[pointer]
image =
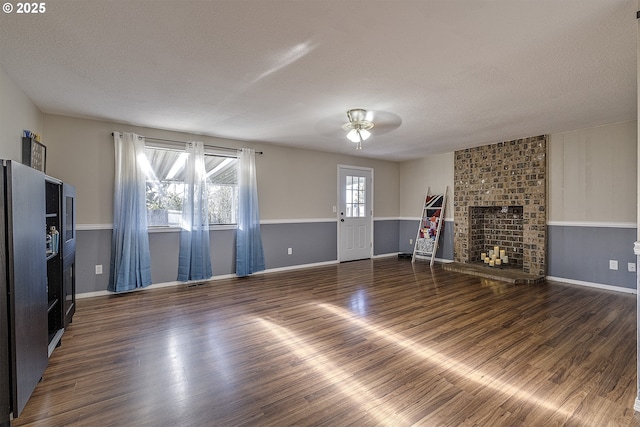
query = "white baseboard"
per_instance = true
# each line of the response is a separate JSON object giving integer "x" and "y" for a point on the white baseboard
{"x": 153, "y": 286}
{"x": 295, "y": 267}
{"x": 387, "y": 255}
{"x": 195, "y": 282}
{"x": 318, "y": 264}
{"x": 93, "y": 294}
{"x": 592, "y": 285}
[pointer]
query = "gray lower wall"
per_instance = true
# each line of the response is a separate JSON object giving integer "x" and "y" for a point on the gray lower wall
{"x": 583, "y": 254}
{"x": 385, "y": 236}
{"x": 574, "y": 253}
{"x": 94, "y": 248}
{"x": 310, "y": 243}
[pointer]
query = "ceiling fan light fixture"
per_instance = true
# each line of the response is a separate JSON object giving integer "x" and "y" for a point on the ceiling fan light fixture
{"x": 354, "y": 135}
{"x": 364, "y": 134}
{"x": 358, "y": 127}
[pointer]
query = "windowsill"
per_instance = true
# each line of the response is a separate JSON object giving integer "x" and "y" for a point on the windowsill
{"x": 175, "y": 229}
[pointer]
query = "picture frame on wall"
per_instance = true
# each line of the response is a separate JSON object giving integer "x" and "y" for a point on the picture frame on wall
{"x": 34, "y": 154}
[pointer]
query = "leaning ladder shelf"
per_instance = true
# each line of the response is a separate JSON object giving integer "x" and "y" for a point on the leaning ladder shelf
{"x": 431, "y": 219}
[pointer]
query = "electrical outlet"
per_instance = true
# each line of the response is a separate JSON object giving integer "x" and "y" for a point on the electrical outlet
{"x": 613, "y": 264}
{"x": 411, "y": 241}
{"x": 631, "y": 267}
{"x": 99, "y": 269}
{"x": 289, "y": 251}
{"x": 335, "y": 209}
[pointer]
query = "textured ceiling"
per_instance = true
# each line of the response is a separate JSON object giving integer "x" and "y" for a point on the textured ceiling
{"x": 438, "y": 75}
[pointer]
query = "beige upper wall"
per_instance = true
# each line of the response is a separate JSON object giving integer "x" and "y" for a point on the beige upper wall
{"x": 435, "y": 172}
{"x": 593, "y": 174}
{"x": 17, "y": 113}
{"x": 303, "y": 184}
{"x": 293, "y": 183}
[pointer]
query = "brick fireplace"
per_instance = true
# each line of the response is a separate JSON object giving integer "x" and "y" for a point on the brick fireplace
{"x": 500, "y": 199}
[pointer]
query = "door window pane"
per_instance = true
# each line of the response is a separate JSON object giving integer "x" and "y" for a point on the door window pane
{"x": 355, "y": 197}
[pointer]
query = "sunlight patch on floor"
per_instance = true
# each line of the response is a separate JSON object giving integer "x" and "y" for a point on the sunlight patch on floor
{"x": 351, "y": 388}
{"x": 442, "y": 360}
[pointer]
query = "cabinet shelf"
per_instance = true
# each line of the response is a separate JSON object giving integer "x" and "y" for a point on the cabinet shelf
{"x": 52, "y": 304}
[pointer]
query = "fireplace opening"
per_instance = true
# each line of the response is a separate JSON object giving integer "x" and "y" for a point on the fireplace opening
{"x": 491, "y": 226}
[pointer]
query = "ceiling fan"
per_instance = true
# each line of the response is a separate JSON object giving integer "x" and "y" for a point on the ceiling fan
{"x": 361, "y": 123}
{"x": 358, "y": 126}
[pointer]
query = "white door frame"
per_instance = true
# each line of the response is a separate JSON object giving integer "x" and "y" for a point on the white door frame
{"x": 370, "y": 201}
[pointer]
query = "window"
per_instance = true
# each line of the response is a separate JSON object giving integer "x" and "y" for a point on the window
{"x": 355, "y": 196}
{"x": 165, "y": 187}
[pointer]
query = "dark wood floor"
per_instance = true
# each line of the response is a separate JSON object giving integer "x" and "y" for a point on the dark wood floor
{"x": 365, "y": 343}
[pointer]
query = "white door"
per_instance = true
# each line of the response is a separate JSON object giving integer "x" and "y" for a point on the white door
{"x": 355, "y": 215}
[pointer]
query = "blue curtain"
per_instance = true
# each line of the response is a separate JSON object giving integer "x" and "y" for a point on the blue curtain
{"x": 194, "y": 261}
{"x": 130, "y": 259}
{"x": 249, "y": 251}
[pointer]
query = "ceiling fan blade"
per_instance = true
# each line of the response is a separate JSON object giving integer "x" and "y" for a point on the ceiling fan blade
{"x": 384, "y": 122}
{"x": 332, "y": 126}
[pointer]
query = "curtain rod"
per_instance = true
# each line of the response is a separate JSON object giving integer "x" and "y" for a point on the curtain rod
{"x": 183, "y": 142}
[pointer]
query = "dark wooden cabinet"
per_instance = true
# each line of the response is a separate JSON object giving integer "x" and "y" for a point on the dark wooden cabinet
{"x": 25, "y": 278}
{"x": 37, "y": 278}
